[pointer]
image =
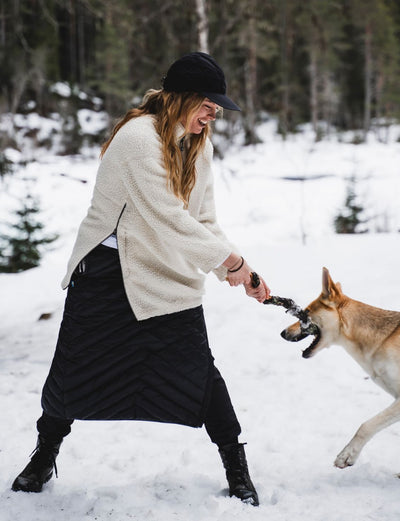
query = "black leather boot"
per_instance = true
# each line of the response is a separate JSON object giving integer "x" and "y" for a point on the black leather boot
{"x": 240, "y": 485}
{"x": 40, "y": 469}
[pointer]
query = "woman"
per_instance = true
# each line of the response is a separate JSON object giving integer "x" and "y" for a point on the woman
{"x": 133, "y": 342}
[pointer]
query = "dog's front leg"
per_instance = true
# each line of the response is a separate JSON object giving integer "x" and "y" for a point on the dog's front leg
{"x": 350, "y": 453}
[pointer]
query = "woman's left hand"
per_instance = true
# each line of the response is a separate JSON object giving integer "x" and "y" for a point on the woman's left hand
{"x": 260, "y": 293}
{"x": 240, "y": 275}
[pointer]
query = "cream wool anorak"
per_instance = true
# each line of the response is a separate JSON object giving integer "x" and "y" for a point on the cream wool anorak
{"x": 163, "y": 248}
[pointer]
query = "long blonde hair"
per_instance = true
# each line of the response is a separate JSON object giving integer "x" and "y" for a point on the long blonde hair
{"x": 169, "y": 109}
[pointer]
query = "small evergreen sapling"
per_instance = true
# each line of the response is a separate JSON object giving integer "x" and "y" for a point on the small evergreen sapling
{"x": 350, "y": 218}
{"x": 22, "y": 250}
{"x": 6, "y": 166}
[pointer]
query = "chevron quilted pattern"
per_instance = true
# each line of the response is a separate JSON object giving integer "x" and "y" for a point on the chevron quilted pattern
{"x": 109, "y": 366}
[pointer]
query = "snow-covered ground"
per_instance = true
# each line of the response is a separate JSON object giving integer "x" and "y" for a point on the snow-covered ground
{"x": 296, "y": 414}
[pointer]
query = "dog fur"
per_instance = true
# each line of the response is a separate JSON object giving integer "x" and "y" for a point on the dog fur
{"x": 371, "y": 336}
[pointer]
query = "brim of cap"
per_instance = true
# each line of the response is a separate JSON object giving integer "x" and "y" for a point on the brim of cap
{"x": 221, "y": 100}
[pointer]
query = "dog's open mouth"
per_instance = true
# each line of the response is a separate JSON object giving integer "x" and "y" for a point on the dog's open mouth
{"x": 315, "y": 331}
{"x": 305, "y": 331}
{"x": 307, "y": 327}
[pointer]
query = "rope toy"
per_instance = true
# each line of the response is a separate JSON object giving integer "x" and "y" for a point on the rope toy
{"x": 291, "y": 307}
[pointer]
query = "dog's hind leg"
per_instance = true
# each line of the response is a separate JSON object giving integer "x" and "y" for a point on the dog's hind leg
{"x": 367, "y": 430}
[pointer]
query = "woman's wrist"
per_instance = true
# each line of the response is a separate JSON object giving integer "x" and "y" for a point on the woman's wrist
{"x": 237, "y": 266}
{"x": 232, "y": 262}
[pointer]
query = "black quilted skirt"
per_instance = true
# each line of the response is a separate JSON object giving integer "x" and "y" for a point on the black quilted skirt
{"x": 109, "y": 366}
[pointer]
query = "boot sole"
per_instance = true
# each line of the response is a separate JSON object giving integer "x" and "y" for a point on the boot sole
{"x": 29, "y": 486}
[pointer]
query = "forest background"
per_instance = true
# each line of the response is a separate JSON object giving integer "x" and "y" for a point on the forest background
{"x": 335, "y": 64}
{"x": 70, "y": 68}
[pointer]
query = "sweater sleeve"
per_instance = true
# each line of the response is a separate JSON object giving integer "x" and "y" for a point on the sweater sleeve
{"x": 208, "y": 217}
{"x": 144, "y": 178}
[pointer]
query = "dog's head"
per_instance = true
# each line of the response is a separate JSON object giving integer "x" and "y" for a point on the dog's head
{"x": 324, "y": 316}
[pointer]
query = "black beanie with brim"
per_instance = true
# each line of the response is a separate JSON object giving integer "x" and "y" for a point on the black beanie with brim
{"x": 199, "y": 72}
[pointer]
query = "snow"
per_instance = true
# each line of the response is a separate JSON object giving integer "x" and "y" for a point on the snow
{"x": 92, "y": 122}
{"x": 296, "y": 414}
{"x": 65, "y": 90}
{"x": 62, "y": 89}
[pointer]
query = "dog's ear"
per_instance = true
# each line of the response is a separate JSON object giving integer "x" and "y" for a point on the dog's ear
{"x": 329, "y": 288}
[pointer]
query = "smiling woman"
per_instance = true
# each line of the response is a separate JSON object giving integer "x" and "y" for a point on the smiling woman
{"x": 133, "y": 340}
{"x": 206, "y": 113}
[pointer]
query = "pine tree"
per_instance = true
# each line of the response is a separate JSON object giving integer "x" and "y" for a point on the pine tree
{"x": 350, "y": 219}
{"x": 320, "y": 25}
{"x": 6, "y": 166}
{"x": 22, "y": 249}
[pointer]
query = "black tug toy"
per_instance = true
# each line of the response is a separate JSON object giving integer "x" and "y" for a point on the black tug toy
{"x": 307, "y": 327}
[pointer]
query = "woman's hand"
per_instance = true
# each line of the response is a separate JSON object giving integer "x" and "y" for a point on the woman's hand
{"x": 260, "y": 293}
{"x": 239, "y": 273}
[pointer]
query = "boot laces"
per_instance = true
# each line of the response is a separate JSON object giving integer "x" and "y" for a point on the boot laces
{"x": 42, "y": 454}
{"x": 236, "y": 466}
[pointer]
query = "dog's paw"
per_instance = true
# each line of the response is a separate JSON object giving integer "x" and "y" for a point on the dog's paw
{"x": 346, "y": 458}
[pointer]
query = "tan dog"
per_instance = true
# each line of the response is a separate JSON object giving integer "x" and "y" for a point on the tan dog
{"x": 371, "y": 336}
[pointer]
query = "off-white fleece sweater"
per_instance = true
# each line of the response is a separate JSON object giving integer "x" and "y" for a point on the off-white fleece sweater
{"x": 162, "y": 246}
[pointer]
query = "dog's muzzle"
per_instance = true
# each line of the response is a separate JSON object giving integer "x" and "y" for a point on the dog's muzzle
{"x": 305, "y": 331}
{"x": 307, "y": 327}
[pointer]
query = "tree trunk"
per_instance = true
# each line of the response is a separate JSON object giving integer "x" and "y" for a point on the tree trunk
{"x": 380, "y": 81}
{"x": 284, "y": 110}
{"x": 314, "y": 90}
{"x": 81, "y": 46}
{"x": 329, "y": 102}
{"x": 202, "y": 25}
{"x": 2, "y": 26}
{"x": 367, "y": 78}
{"x": 250, "y": 80}
{"x": 72, "y": 40}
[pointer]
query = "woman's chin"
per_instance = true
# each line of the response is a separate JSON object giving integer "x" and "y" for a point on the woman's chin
{"x": 197, "y": 129}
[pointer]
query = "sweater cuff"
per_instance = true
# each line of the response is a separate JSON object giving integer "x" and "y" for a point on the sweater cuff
{"x": 221, "y": 263}
{"x": 221, "y": 272}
